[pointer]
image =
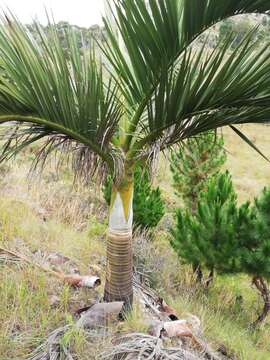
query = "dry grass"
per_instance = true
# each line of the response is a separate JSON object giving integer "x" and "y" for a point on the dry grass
{"x": 41, "y": 218}
{"x": 54, "y": 216}
{"x": 249, "y": 170}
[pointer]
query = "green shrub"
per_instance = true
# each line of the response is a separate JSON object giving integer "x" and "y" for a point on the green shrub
{"x": 148, "y": 206}
{"x": 228, "y": 239}
{"x": 255, "y": 240}
{"x": 191, "y": 166}
{"x": 207, "y": 236}
{"x": 254, "y": 248}
{"x": 193, "y": 163}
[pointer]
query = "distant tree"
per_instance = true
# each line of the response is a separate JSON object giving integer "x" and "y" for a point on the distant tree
{"x": 238, "y": 28}
{"x": 82, "y": 35}
{"x": 97, "y": 32}
{"x": 148, "y": 205}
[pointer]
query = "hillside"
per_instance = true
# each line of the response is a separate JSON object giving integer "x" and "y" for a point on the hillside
{"x": 250, "y": 171}
{"x": 54, "y": 215}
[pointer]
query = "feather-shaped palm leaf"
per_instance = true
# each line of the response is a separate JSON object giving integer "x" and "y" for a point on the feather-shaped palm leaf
{"x": 56, "y": 94}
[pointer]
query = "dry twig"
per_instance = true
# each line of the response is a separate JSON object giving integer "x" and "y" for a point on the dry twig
{"x": 72, "y": 279}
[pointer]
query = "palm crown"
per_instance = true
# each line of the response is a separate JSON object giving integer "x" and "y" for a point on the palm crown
{"x": 160, "y": 90}
{"x": 155, "y": 90}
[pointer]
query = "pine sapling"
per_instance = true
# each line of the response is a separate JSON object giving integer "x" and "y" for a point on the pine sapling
{"x": 191, "y": 166}
{"x": 254, "y": 249}
{"x": 207, "y": 235}
{"x": 226, "y": 238}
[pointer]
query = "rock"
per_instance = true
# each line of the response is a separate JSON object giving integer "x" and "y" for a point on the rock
{"x": 99, "y": 314}
{"x": 57, "y": 259}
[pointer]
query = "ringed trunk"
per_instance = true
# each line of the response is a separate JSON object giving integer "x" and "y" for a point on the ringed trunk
{"x": 119, "y": 271}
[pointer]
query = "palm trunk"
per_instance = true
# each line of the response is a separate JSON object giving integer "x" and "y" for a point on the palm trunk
{"x": 119, "y": 270}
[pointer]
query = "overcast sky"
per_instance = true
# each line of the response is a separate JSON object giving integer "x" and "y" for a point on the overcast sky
{"x": 78, "y": 12}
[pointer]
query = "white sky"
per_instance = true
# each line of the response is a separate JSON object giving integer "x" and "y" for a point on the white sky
{"x": 77, "y": 12}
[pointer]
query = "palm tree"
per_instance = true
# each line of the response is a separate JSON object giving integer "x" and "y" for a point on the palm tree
{"x": 153, "y": 90}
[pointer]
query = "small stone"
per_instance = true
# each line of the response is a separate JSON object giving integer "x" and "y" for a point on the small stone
{"x": 57, "y": 259}
{"x": 54, "y": 300}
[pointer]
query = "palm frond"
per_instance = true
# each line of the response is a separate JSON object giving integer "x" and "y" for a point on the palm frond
{"x": 156, "y": 34}
{"x": 54, "y": 92}
{"x": 206, "y": 90}
{"x": 248, "y": 141}
{"x": 150, "y": 33}
{"x": 170, "y": 90}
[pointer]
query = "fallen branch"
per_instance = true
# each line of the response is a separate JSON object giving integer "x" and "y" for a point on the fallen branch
{"x": 71, "y": 279}
{"x": 52, "y": 348}
{"x": 150, "y": 299}
{"x": 146, "y": 347}
{"x": 132, "y": 346}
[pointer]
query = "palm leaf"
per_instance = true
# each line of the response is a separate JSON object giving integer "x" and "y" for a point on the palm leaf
{"x": 171, "y": 92}
{"x": 248, "y": 141}
{"x": 151, "y": 38}
{"x": 204, "y": 91}
{"x": 156, "y": 34}
{"x": 61, "y": 92}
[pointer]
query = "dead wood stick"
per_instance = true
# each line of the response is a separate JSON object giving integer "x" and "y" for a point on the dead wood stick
{"x": 71, "y": 279}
